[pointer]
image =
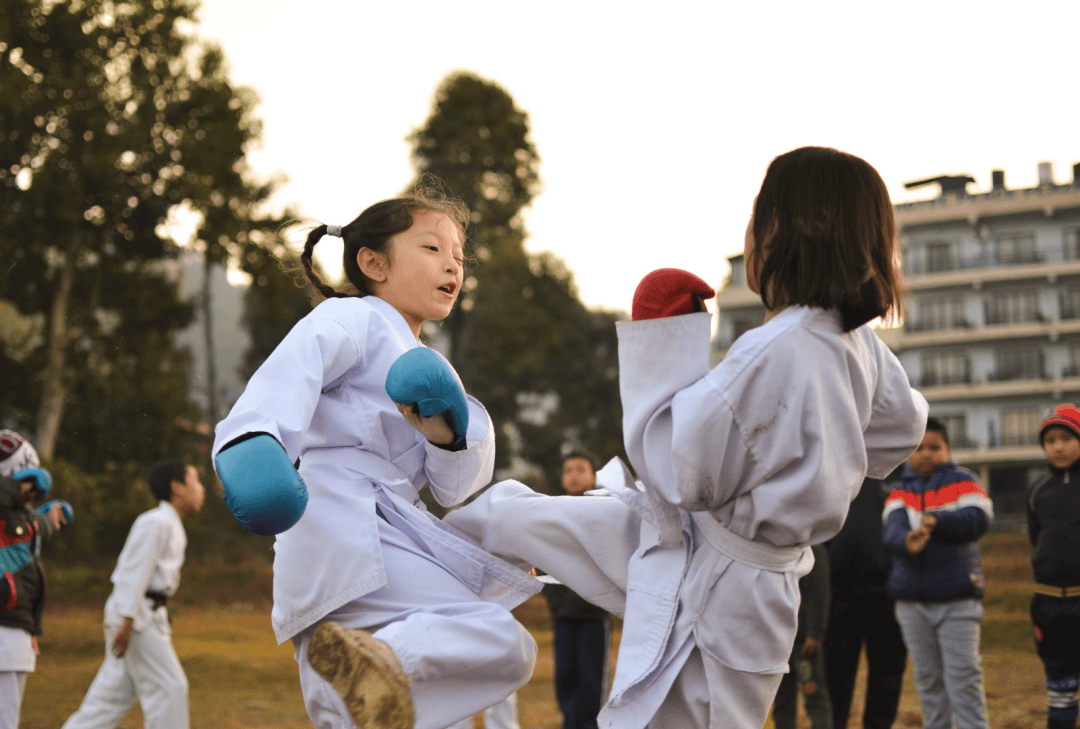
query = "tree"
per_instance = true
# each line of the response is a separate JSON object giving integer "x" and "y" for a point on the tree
{"x": 542, "y": 363}
{"x": 111, "y": 120}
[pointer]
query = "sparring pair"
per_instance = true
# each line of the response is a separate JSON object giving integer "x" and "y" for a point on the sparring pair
{"x": 741, "y": 467}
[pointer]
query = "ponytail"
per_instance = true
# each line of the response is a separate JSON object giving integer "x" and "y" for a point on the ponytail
{"x": 314, "y": 280}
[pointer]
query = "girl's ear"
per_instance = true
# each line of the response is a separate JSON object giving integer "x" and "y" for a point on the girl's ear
{"x": 374, "y": 265}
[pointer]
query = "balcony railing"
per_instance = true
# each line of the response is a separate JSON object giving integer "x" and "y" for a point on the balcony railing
{"x": 930, "y": 325}
{"x": 932, "y": 379}
{"x": 941, "y": 264}
{"x": 1011, "y": 375}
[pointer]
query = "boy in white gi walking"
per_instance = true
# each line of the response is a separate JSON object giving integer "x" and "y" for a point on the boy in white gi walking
{"x": 140, "y": 663}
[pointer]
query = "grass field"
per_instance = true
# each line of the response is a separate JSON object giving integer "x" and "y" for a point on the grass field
{"x": 239, "y": 678}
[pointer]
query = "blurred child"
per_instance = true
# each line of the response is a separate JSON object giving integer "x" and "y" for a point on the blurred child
{"x": 806, "y": 668}
{"x": 1053, "y": 512}
{"x": 933, "y": 520}
{"x": 22, "y": 584}
{"x": 140, "y": 662}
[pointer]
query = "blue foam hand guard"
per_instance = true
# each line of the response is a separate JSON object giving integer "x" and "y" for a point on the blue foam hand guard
{"x": 422, "y": 377}
{"x": 39, "y": 476}
{"x": 262, "y": 488}
{"x": 69, "y": 515}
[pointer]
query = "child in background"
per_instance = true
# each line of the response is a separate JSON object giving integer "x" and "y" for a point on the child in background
{"x": 932, "y": 522}
{"x": 744, "y": 466}
{"x": 140, "y": 662}
{"x": 1053, "y": 513}
{"x": 397, "y": 621}
{"x": 806, "y": 668}
{"x": 22, "y": 583}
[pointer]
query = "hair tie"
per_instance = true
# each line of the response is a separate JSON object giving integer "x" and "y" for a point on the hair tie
{"x": 334, "y": 230}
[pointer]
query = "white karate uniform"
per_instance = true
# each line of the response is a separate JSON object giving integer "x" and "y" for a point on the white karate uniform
{"x": 742, "y": 467}
{"x": 149, "y": 670}
{"x": 17, "y": 659}
{"x": 365, "y": 553}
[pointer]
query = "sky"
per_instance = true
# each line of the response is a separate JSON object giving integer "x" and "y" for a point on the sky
{"x": 654, "y": 122}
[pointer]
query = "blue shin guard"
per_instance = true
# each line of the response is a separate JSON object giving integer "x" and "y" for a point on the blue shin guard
{"x": 422, "y": 377}
{"x": 262, "y": 488}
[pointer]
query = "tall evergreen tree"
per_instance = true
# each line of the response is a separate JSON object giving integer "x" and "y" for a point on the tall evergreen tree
{"x": 542, "y": 363}
{"x": 110, "y": 119}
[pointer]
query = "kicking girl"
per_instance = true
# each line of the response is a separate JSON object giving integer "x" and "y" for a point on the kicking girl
{"x": 396, "y": 620}
{"x": 742, "y": 467}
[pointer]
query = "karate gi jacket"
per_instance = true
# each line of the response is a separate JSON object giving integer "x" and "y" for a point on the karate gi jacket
{"x": 744, "y": 467}
{"x": 322, "y": 394}
{"x": 150, "y": 561}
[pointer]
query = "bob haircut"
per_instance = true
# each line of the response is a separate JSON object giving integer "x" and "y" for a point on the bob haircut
{"x": 825, "y": 236}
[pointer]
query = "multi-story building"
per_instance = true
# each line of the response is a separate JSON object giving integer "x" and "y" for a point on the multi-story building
{"x": 991, "y": 326}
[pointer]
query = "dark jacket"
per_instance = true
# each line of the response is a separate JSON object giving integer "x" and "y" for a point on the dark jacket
{"x": 22, "y": 589}
{"x": 949, "y": 568}
{"x": 1053, "y": 511}
{"x": 565, "y": 604}
{"x": 858, "y": 560}
{"x": 814, "y": 597}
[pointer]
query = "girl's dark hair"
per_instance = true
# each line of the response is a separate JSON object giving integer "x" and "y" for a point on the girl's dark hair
{"x": 933, "y": 425}
{"x": 374, "y": 228}
{"x": 162, "y": 475}
{"x": 825, "y": 236}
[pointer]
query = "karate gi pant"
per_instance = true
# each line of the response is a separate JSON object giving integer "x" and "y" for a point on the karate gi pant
{"x": 149, "y": 672}
{"x": 462, "y": 654}
{"x": 12, "y": 684}
{"x": 502, "y": 715}
{"x": 943, "y": 642}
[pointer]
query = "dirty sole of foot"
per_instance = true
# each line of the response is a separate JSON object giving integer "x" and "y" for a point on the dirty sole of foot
{"x": 373, "y": 687}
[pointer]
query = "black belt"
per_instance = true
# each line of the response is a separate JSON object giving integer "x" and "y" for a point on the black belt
{"x": 158, "y": 599}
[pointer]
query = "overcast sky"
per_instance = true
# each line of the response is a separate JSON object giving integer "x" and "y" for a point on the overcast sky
{"x": 655, "y": 121}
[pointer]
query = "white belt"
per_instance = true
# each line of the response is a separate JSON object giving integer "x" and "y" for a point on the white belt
{"x": 744, "y": 551}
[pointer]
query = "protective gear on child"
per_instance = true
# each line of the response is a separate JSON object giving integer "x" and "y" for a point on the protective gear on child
{"x": 669, "y": 292}
{"x": 262, "y": 488}
{"x": 39, "y": 476}
{"x": 69, "y": 515}
{"x": 421, "y": 377}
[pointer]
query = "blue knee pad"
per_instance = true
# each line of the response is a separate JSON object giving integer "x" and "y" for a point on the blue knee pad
{"x": 1062, "y": 706}
{"x": 422, "y": 377}
{"x": 262, "y": 488}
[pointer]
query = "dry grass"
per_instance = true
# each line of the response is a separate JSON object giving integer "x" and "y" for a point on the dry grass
{"x": 240, "y": 678}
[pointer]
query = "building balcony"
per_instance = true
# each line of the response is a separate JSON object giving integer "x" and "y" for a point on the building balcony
{"x": 999, "y": 387}
{"x": 900, "y": 340}
{"x": 978, "y": 454}
{"x": 976, "y": 271}
{"x": 737, "y": 297}
{"x": 973, "y": 208}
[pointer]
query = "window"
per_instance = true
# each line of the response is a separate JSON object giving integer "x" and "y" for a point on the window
{"x": 738, "y": 271}
{"x": 1070, "y": 302}
{"x": 1013, "y": 307}
{"x": 945, "y": 368}
{"x": 1020, "y": 427}
{"x": 1072, "y": 244}
{"x": 1073, "y": 368}
{"x": 956, "y": 427}
{"x": 939, "y": 256}
{"x": 940, "y": 312}
{"x": 1018, "y": 362}
{"x": 1018, "y": 248}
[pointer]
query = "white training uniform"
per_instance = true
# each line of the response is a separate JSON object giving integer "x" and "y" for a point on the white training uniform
{"x": 149, "y": 670}
{"x": 365, "y": 553}
{"x": 743, "y": 467}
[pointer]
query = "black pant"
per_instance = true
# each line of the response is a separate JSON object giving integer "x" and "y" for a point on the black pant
{"x": 581, "y": 654}
{"x": 857, "y": 618}
{"x": 1057, "y": 641}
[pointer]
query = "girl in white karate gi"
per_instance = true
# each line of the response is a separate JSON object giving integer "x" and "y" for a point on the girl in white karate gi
{"x": 742, "y": 467}
{"x": 397, "y": 621}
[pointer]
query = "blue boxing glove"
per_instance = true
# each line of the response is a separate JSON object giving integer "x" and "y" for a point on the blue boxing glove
{"x": 42, "y": 481}
{"x": 262, "y": 488}
{"x": 69, "y": 515}
{"x": 421, "y": 377}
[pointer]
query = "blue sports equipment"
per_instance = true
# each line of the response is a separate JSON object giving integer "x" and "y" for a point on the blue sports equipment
{"x": 41, "y": 478}
{"x": 262, "y": 488}
{"x": 422, "y": 377}
{"x": 69, "y": 515}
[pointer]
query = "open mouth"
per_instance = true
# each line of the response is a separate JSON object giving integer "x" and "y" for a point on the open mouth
{"x": 449, "y": 288}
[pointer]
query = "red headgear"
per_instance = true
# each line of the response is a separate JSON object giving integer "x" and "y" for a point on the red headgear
{"x": 1066, "y": 416}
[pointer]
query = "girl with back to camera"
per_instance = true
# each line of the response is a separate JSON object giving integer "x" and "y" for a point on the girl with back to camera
{"x": 396, "y": 620}
{"x": 742, "y": 467}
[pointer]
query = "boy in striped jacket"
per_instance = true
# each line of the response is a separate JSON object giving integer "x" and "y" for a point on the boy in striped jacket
{"x": 932, "y": 522}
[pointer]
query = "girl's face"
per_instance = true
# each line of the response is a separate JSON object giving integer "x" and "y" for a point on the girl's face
{"x": 421, "y": 275}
